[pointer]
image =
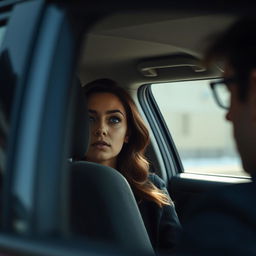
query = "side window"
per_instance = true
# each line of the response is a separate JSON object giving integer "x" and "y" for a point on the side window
{"x": 201, "y": 134}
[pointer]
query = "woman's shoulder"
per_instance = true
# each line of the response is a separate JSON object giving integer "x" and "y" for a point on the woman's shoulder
{"x": 156, "y": 180}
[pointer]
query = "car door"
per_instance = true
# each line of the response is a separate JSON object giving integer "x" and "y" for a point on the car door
{"x": 38, "y": 53}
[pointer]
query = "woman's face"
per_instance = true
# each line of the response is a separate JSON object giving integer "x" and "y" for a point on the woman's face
{"x": 108, "y": 123}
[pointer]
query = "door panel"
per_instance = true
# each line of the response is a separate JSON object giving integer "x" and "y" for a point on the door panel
{"x": 186, "y": 188}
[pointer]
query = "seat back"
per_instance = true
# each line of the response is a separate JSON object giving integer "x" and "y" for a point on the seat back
{"x": 104, "y": 208}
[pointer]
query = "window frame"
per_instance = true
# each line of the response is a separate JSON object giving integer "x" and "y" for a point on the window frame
{"x": 47, "y": 35}
{"x": 162, "y": 135}
{"x": 165, "y": 142}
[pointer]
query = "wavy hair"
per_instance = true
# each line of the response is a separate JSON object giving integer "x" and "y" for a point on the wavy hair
{"x": 131, "y": 161}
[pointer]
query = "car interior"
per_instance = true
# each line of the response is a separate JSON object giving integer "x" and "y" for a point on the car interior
{"x": 136, "y": 49}
{"x": 53, "y": 203}
{"x": 142, "y": 48}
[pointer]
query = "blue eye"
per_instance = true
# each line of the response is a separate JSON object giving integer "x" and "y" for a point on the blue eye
{"x": 114, "y": 120}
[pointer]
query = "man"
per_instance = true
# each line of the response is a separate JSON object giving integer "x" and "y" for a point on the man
{"x": 224, "y": 222}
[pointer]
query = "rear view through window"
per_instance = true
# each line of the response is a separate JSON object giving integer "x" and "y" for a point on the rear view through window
{"x": 204, "y": 142}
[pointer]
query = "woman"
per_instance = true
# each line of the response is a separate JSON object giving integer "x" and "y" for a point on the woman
{"x": 119, "y": 138}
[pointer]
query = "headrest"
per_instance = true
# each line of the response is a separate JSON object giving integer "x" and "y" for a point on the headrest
{"x": 81, "y": 135}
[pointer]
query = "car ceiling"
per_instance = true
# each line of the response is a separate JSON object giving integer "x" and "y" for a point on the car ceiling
{"x": 117, "y": 45}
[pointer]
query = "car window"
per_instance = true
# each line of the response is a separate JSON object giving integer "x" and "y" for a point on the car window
{"x": 204, "y": 142}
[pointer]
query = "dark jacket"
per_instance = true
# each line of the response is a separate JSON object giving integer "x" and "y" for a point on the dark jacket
{"x": 222, "y": 223}
{"x": 162, "y": 223}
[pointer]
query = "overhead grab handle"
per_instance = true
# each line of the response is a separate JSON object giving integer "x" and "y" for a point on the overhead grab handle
{"x": 149, "y": 68}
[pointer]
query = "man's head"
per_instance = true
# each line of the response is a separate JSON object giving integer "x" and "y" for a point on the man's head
{"x": 236, "y": 47}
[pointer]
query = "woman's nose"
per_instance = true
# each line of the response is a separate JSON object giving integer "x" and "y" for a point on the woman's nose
{"x": 100, "y": 130}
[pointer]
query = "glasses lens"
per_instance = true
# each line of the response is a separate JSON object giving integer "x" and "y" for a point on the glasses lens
{"x": 222, "y": 95}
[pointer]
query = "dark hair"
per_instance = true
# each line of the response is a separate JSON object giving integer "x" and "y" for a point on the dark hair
{"x": 237, "y": 47}
{"x": 131, "y": 161}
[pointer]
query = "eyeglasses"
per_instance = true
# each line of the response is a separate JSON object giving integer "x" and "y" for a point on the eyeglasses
{"x": 220, "y": 91}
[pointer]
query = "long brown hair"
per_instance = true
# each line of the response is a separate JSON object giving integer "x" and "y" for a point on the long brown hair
{"x": 131, "y": 161}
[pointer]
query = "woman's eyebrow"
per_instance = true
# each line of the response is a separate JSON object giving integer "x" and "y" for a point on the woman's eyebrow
{"x": 115, "y": 111}
{"x": 92, "y": 111}
{"x": 107, "y": 112}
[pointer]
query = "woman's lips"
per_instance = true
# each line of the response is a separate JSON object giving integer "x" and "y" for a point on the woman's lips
{"x": 100, "y": 144}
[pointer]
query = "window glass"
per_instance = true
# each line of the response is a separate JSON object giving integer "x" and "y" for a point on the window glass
{"x": 202, "y": 135}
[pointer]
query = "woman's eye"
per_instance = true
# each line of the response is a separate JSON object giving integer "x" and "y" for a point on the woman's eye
{"x": 91, "y": 119}
{"x": 114, "y": 120}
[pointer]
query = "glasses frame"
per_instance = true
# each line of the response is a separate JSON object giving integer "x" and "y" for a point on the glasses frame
{"x": 225, "y": 82}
